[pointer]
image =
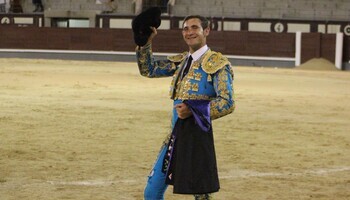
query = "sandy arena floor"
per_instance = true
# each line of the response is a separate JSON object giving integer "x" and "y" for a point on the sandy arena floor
{"x": 72, "y": 130}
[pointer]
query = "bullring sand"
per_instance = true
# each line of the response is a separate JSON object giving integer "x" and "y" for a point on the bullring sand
{"x": 91, "y": 130}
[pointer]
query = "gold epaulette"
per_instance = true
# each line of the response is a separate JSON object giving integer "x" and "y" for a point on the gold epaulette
{"x": 213, "y": 62}
{"x": 178, "y": 57}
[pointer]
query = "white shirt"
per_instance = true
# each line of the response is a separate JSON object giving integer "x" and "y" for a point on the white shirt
{"x": 197, "y": 54}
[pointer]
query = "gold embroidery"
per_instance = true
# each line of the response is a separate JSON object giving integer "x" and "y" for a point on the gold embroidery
{"x": 216, "y": 113}
{"x": 189, "y": 88}
{"x": 224, "y": 104}
{"x": 190, "y": 75}
{"x": 178, "y": 58}
{"x": 213, "y": 62}
{"x": 209, "y": 79}
{"x": 195, "y": 87}
{"x": 195, "y": 65}
{"x": 186, "y": 96}
{"x": 203, "y": 196}
{"x": 197, "y": 76}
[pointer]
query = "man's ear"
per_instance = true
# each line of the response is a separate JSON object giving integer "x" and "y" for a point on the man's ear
{"x": 206, "y": 31}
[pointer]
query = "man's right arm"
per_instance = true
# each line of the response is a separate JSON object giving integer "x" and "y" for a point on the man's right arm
{"x": 150, "y": 67}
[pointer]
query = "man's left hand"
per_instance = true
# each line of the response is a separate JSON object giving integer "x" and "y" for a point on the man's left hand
{"x": 183, "y": 111}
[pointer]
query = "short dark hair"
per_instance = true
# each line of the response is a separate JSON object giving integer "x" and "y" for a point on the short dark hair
{"x": 204, "y": 21}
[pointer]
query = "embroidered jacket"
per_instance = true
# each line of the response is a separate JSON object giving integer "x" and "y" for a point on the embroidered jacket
{"x": 209, "y": 78}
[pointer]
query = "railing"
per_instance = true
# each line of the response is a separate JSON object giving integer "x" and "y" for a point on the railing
{"x": 217, "y": 23}
{"x": 230, "y": 36}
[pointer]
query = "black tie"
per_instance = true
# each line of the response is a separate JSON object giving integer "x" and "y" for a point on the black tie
{"x": 188, "y": 65}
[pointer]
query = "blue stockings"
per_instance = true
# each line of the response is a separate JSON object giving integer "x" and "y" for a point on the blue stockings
{"x": 156, "y": 186}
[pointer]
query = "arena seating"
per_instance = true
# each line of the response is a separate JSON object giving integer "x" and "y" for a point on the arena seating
{"x": 280, "y": 9}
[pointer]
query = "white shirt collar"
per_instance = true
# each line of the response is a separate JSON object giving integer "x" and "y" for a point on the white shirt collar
{"x": 197, "y": 54}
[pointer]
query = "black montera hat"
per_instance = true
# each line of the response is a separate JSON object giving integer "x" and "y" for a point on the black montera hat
{"x": 141, "y": 24}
